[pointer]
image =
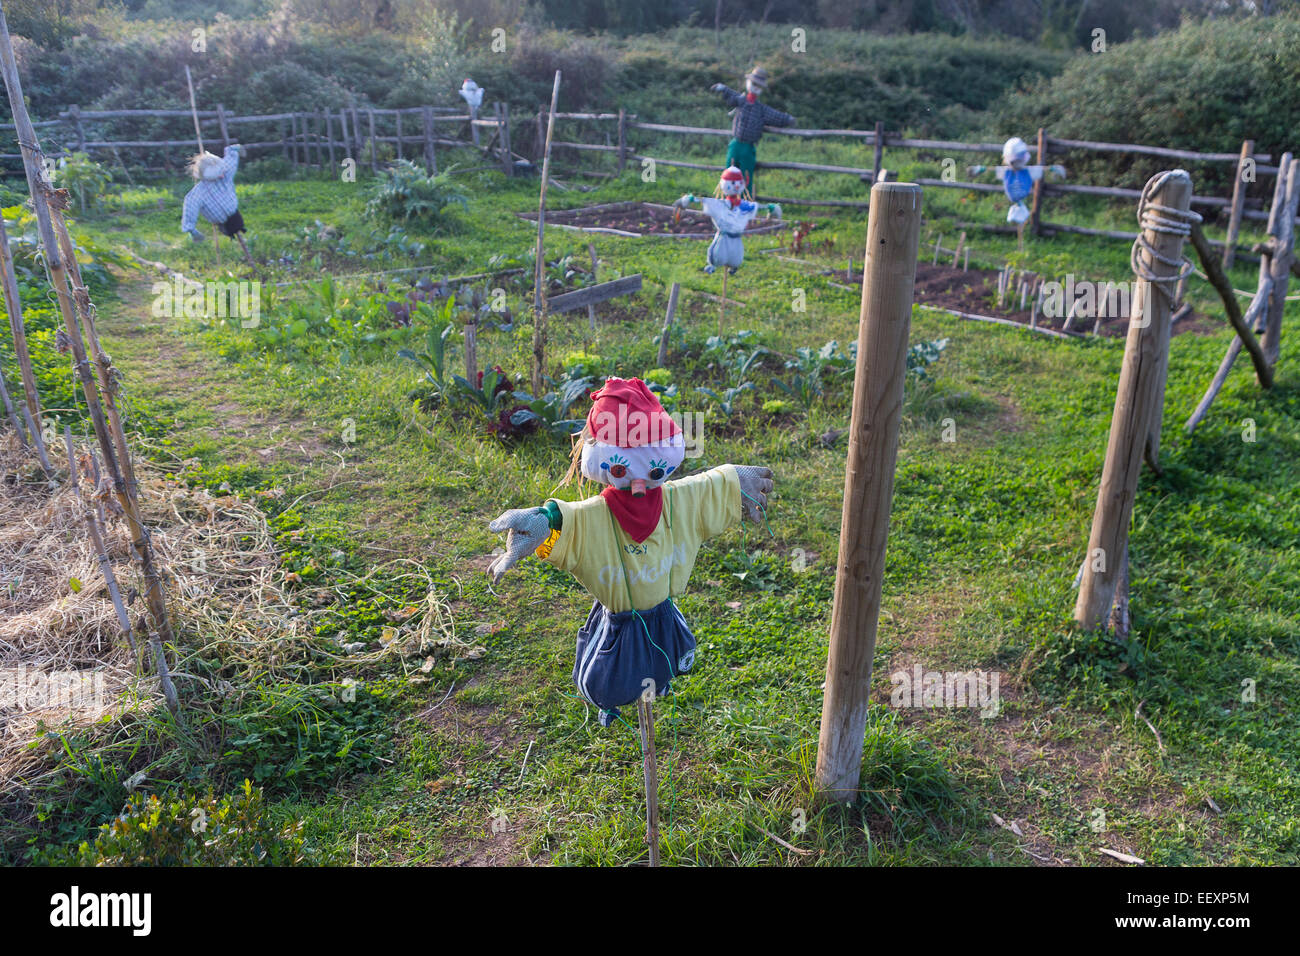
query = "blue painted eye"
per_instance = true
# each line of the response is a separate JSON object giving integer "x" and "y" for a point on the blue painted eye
{"x": 604, "y": 465}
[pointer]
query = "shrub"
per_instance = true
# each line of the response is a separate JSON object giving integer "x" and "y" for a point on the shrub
{"x": 83, "y": 177}
{"x": 192, "y": 829}
{"x": 406, "y": 193}
{"x": 1206, "y": 86}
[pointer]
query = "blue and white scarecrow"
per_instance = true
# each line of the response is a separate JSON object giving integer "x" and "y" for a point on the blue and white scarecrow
{"x": 731, "y": 211}
{"x": 1018, "y": 179}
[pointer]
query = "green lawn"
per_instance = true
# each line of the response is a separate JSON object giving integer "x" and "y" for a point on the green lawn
{"x": 986, "y": 534}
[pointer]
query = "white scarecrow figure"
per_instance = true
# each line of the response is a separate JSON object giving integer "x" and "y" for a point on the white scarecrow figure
{"x": 1018, "y": 179}
{"x": 472, "y": 94}
{"x": 731, "y": 210}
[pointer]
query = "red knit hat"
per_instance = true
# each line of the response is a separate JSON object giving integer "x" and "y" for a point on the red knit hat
{"x": 626, "y": 414}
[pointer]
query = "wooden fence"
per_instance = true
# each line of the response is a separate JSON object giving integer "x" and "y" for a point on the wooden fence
{"x": 1238, "y": 206}
{"x": 306, "y": 138}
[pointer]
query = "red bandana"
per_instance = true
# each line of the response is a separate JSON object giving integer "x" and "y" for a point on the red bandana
{"x": 751, "y": 97}
{"x": 638, "y": 517}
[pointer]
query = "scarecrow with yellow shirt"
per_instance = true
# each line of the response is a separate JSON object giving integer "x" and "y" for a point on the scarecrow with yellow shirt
{"x": 633, "y": 545}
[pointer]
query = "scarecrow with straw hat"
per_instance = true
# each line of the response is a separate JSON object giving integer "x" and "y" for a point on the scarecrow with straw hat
{"x": 213, "y": 195}
{"x": 633, "y": 545}
{"x": 748, "y": 117}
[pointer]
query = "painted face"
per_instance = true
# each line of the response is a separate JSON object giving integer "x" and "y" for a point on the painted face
{"x": 732, "y": 187}
{"x": 636, "y": 469}
{"x": 752, "y": 87}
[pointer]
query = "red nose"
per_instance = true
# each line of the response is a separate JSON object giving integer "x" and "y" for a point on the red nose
{"x": 638, "y": 487}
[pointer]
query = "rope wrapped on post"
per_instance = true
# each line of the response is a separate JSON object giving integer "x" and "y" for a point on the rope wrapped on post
{"x": 1167, "y": 220}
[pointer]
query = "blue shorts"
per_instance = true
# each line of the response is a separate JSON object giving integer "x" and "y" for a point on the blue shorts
{"x": 619, "y": 651}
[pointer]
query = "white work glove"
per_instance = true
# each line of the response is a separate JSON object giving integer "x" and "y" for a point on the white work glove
{"x": 755, "y": 486}
{"x": 528, "y": 528}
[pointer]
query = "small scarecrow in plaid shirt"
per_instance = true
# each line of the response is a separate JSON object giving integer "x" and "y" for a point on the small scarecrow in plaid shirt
{"x": 748, "y": 117}
{"x": 213, "y": 195}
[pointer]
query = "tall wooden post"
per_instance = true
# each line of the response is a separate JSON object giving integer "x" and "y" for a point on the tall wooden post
{"x": 503, "y": 139}
{"x": 1034, "y": 227}
{"x": 539, "y": 276}
{"x": 399, "y": 134}
{"x": 889, "y": 271}
{"x": 430, "y": 156}
{"x": 374, "y": 146}
{"x": 622, "y": 140}
{"x": 329, "y": 136}
{"x": 1238, "y": 204}
{"x": 1280, "y": 265}
{"x": 878, "y": 157}
{"x": 1136, "y": 399}
{"x": 645, "y": 719}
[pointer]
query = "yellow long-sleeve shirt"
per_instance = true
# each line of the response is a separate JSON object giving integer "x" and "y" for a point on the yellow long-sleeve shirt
{"x": 595, "y": 550}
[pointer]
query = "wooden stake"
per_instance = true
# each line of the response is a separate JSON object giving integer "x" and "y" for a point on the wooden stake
{"x": 194, "y": 110}
{"x": 1220, "y": 281}
{"x": 1034, "y": 224}
{"x": 956, "y": 253}
{"x": 97, "y": 541}
{"x": 645, "y": 719}
{"x": 1280, "y": 263}
{"x": 668, "y": 324}
{"x": 1136, "y": 404}
{"x": 622, "y": 140}
{"x": 937, "y": 247}
{"x": 14, "y": 306}
{"x": 539, "y": 287}
{"x": 591, "y": 309}
{"x": 38, "y": 441}
{"x": 889, "y": 269}
{"x": 1238, "y": 204}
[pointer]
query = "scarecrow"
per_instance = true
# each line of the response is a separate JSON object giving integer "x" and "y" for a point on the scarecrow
{"x": 633, "y": 545}
{"x": 472, "y": 94}
{"x": 213, "y": 195}
{"x": 1018, "y": 180}
{"x": 748, "y": 117}
{"x": 731, "y": 208}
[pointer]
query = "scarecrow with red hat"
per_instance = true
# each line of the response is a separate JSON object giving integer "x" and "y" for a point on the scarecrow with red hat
{"x": 731, "y": 208}
{"x": 633, "y": 545}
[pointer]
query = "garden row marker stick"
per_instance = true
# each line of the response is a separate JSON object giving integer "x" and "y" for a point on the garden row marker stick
{"x": 539, "y": 288}
{"x": 49, "y": 217}
{"x": 1164, "y": 215}
{"x": 1238, "y": 203}
{"x": 889, "y": 273}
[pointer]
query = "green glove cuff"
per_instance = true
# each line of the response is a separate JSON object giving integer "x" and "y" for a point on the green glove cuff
{"x": 553, "y": 516}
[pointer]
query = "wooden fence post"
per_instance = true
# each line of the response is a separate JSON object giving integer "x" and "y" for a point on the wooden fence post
{"x": 1035, "y": 224}
{"x": 430, "y": 153}
{"x": 878, "y": 157}
{"x": 1136, "y": 400}
{"x": 329, "y": 136}
{"x": 1238, "y": 204}
{"x": 1280, "y": 266}
{"x": 358, "y": 147}
{"x": 889, "y": 267}
{"x": 344, "y": 143}
{"x": 541, "y": 132}
{"x": 622, "y": 140}
{"x": 399, "y": 134}
{"x": 75, "y": 112}
{"x": 374, "y": 146}
{"x": 507, "y": 158}
{"x": 221, "y": 122}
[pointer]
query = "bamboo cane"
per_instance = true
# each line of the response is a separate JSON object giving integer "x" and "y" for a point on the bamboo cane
{"x": 539, "y": 290}
{"x": 119, "y": 469}
{"x": 646, "y": 724}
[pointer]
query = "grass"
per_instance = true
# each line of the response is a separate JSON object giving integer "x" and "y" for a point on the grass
{"x": 986, "y": 534}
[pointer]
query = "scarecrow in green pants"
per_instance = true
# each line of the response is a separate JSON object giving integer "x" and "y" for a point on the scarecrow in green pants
{"x": 748, "y": 117}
